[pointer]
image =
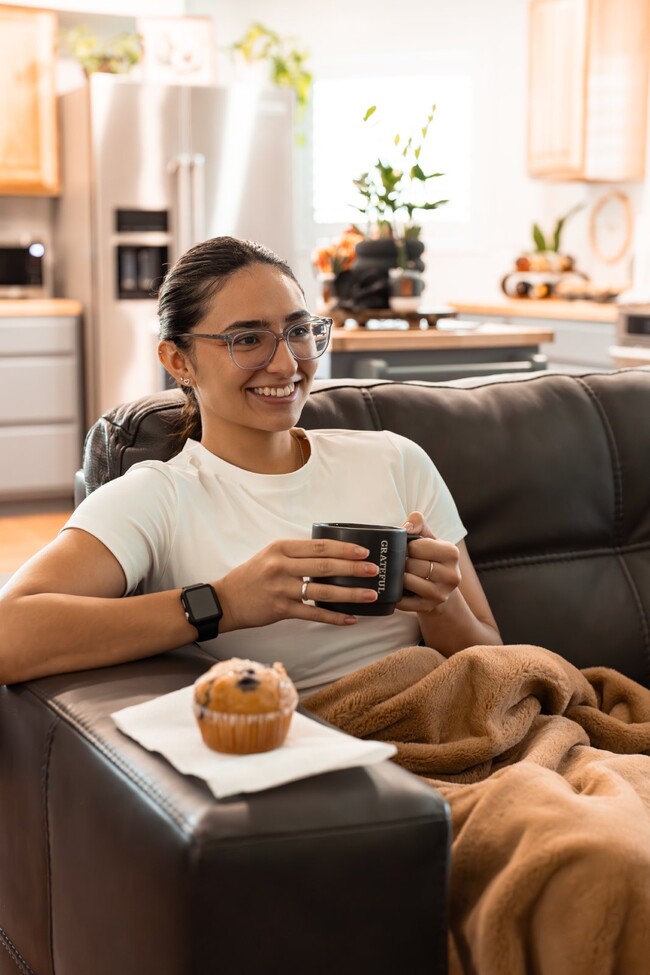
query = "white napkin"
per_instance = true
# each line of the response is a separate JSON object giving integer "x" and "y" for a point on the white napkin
{"x": 167, "y": 725}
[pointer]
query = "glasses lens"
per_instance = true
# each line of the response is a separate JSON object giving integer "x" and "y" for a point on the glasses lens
{"x": 308, "y": 340}
{"x": 252, "y": 350}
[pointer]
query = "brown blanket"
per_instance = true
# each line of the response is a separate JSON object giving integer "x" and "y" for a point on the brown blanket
{"x": 549, "y": 797}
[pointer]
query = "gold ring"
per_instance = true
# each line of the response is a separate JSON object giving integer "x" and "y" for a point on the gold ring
{"x": 303, "y": 591}
{"x": 428, "y": 577}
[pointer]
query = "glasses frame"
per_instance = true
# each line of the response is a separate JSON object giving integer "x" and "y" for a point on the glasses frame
{"x": 230, "y": 338}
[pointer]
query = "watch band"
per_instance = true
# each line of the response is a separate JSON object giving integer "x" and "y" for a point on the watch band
{"x": 202, "y": 609}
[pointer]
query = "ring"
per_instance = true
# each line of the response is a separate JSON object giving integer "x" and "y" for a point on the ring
{"x": 303, "y": 591}
{"x": 428, "y": 577}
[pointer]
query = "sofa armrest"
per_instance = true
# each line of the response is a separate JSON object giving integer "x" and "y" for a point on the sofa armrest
{"x": 115, "y": 862}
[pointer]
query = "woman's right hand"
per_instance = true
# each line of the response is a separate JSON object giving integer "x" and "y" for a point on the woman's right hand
{"x": 269, "y": 586}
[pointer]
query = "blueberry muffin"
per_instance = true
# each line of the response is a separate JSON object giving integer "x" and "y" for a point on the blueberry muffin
{"x": 242, "y": 706}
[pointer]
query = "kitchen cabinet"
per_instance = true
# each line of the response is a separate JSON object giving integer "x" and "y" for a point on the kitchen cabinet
{"x": 40, "y": 399}
{"x": 29, "y": 155}
{"x": 588, "y": 89}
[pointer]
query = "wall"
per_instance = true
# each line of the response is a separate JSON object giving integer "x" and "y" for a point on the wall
{"x": 343, "y": 36}
{"x": 379, "y": 33}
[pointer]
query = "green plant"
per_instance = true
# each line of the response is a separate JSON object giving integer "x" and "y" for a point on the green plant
{"x": 387, "y": 189}
{"x": 287, "y": 62}
{"x": 116, "y": 56}
{"x": 553, "y": 242}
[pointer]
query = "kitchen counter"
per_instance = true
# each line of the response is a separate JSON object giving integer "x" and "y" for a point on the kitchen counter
{"x": 487, "y": 336}
{"x": 437, "y": 353}
{"x": 550, "y": 308}
{"x": 39, "y": 307}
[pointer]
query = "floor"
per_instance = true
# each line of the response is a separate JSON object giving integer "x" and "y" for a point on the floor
{"x": 25, "y": 529}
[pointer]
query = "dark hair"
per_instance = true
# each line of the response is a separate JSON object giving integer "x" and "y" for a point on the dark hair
{"x": 189, "y": 287}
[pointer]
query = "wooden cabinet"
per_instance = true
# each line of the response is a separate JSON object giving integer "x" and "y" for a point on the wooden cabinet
{"x": 40, "y": 404}
{"x": 29, "y": 163}
{"x": 588, "y": 89}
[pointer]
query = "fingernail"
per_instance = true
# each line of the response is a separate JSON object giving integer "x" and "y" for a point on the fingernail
{"x": 369, "y": 596}
{"x": 371, "y": 569}
{"x": 408, "y": 525}
{"x": 349, "y": 620}
{"x": 363, "y": 552}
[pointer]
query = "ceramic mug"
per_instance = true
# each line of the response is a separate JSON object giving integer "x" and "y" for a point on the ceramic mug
{"x": 387, "y": 548}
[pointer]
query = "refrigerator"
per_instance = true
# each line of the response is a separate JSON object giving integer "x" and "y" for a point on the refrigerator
{"x": 148, "y": 170}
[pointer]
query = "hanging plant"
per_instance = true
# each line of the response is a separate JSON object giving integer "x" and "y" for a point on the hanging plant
{"x": 116, "y": 56}
{"x": 287, "y": 62}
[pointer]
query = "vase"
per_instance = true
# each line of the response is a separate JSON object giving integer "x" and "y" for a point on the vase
{"x": 367, "y": 284}
{"x": 405, "y": 289}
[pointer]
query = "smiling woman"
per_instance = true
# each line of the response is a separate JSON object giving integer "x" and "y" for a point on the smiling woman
{"x": 231, "y": 514}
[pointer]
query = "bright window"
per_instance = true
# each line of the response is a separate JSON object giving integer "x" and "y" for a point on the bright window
{"x": 344, "y": 146}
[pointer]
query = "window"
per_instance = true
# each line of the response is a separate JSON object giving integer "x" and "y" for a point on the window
{"x": 344, "y": 146}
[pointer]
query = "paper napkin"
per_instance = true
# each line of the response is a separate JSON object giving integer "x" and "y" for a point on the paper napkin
{"x": 167, "y": 725}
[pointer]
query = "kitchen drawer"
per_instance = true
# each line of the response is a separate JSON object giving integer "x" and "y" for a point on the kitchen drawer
{"x": 38, "y": 389}
{"x": 38, "y": 336}
{"x": 39, "y": 460}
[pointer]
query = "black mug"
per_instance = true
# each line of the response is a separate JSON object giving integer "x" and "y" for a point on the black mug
{"x": 387, "y": 548}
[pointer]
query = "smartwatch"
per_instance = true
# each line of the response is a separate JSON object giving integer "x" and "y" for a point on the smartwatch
{"x": 202, "y": 609}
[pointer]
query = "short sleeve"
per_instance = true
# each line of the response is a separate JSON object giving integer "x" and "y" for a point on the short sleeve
{"x": 425, "y": 490}
{"x": 134, "y": 516}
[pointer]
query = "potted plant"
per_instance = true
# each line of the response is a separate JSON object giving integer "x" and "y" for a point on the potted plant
{"x": 116, "y": 56}
{"x": 287, "y": 63}
{"x": 392, "y": 192}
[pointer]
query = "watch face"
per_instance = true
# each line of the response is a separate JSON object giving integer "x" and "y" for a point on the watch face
{"x": 202, "y": 602}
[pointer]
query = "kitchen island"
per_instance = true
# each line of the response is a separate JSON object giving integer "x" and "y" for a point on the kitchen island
{"x": 584, "y": 330}
{"x": 448, "y": 350}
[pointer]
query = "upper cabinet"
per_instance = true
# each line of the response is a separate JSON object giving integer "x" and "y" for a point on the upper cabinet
{"x": 588, "y": 89}
{"x": 29, "y": 156}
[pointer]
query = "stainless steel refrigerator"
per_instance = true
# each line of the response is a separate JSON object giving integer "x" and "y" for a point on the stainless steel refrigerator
{"x": 148, "y": 170}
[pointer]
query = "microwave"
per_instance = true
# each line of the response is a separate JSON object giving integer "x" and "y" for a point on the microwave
{"x": 24, "y": 270}
{"x": 633, "y": 326}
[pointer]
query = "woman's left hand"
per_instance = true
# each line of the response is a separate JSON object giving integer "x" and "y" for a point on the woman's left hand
{"x": 432, "y": 569}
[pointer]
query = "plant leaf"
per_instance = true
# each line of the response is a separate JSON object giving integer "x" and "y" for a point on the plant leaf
{"x": 370, "y": 111}
{"x": 538, "y": 237}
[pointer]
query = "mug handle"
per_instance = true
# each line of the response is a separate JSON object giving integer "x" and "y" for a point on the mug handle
{"x": 410, "y": 538}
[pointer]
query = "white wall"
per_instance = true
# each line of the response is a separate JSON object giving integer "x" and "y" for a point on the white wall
{"x": 382, "y": 33}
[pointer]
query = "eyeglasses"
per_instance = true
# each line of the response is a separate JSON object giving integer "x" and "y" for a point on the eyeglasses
{"x": 253, "y": 348}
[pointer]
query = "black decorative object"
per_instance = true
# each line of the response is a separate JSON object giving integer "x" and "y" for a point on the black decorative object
{"x": 367, "y": 284}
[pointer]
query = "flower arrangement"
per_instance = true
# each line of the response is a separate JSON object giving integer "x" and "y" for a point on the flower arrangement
{"x": 339, "y": 254}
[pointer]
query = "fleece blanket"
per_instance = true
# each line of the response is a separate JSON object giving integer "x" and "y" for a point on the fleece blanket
{"x": 546, "y": 769}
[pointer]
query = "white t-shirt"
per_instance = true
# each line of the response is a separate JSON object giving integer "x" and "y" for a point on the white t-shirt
{"x": 194, "y": 518}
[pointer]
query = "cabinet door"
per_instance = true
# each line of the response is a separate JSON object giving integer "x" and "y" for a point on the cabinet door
{"x": 557, "y": 87}
{"x": 28, "y": 130}
{"x": 617, "y": 89}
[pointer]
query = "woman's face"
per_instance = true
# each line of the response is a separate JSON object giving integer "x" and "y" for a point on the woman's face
{"x": 268, "y": 399}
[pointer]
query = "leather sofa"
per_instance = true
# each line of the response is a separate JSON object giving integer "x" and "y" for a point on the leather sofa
{"x": 111, "y": 862}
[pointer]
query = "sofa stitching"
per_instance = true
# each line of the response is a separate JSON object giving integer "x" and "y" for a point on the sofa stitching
{"x": 146, "y": 784}
{"x": 546, "y": 558}
{"x": 372, "y": 409}
{"x": 45, "y": 781}
{"x": 645, "y": 628}
{"x": 14, "y": 954}
{"x": 617, "y": 472}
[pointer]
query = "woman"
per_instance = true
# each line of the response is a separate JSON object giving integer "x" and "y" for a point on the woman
{"x": 232, "y": 513}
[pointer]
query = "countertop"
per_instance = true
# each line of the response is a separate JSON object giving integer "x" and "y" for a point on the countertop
{"x": 486, "y": 336}
{"x": 548, "y": 308}
{"x": 38, "y": 307}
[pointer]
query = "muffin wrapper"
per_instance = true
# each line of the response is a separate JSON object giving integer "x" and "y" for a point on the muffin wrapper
{"x": 243, "y": 734}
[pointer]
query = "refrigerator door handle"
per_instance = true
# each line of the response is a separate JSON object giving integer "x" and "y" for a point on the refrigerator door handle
{"x": 198, "y": 197}
{"x": 180, "y": 168}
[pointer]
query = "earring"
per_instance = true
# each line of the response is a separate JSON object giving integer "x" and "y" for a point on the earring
{"x": 185, "y": 381}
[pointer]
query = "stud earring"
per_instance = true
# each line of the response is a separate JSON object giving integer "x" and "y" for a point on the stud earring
{"x": 185, "y": 381}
